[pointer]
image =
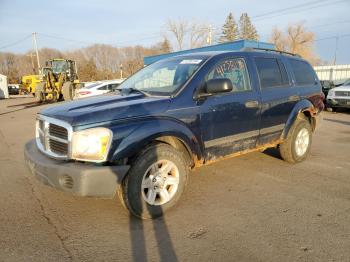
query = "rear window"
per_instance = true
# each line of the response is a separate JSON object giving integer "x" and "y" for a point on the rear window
{"x": 303, "y": 72}
{"x": 271, "y": 72}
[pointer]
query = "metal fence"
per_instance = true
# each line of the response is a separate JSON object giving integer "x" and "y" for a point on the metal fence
{"x": 337, "y": 73}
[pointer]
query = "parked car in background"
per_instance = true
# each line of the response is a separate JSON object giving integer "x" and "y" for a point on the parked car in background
{"x": 175, "y": 114}
{"x": 339, "y": 97}
{"x": 99, "y": 88}
{"x": 13, "y": 89}
{"x": 326, "y": 86}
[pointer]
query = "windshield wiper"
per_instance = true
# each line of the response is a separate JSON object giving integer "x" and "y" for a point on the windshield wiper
{"x": 132, "y": 90}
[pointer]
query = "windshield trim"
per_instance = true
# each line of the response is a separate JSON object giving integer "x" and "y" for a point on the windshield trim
{"x": 181, "y": 88}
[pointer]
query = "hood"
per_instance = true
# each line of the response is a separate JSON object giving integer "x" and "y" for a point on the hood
{"x": 106, "y": 108}
{"x": 341, "y": 88}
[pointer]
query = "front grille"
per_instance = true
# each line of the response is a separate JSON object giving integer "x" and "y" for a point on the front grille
{"x": 58, "y": 131}
{"x": 58, "y": 147}
{"x": 53, "y": 137}
{"x": 342, "y": 93}
{"x": 343, "y": 102}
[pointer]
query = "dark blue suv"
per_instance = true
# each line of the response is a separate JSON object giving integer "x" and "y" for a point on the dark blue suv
{"x": 174, "y": 115}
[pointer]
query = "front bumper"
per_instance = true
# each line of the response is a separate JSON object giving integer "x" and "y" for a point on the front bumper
{"x": 338, "y": 102}
{"x": 74, "y": 177}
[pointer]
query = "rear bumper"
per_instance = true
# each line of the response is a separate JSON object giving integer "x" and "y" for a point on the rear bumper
{"x": 74, "y": 177}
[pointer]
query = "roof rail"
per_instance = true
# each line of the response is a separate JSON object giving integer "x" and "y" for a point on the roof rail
{"x": 268, "y": 50}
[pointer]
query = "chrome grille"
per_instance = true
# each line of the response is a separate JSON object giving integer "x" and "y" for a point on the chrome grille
{"x": 58, "y": 147}
{"x": 53, "y": 137}
{"x": 58, "y": 131}
{"x": 342, "y": 93}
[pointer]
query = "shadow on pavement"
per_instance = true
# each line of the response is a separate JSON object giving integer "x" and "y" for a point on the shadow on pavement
{"x": 337, "y": 121}
{"x": 274, "y": 152}
{"x": 25, "y": 106}
{"x": 165, "y": 247}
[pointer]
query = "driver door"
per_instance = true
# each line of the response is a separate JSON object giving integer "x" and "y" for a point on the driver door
{"x": 230, "y": 121}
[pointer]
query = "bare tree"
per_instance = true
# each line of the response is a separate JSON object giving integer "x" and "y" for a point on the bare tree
{"x": 296, "y": 39}
{"x": 278, "y": 38}
{"x": 197, "y": 34}
{"x": 179, "y": 30}
{"x": 188, "y": 34}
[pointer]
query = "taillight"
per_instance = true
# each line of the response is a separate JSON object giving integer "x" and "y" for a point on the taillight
{"x": 83, "y": 93}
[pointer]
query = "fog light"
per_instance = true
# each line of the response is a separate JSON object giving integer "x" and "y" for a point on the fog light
{"x": 66, "y": 181}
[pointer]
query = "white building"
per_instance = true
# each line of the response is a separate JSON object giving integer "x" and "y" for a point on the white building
{"x": 337, "y": 73}
{"x": 4, "y": 93}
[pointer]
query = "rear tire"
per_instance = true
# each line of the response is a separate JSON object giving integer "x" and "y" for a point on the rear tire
{"x": 297, "y": 145}
{"x": 155, "y": 182}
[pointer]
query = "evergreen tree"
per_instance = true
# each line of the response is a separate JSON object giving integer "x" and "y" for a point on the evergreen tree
{"x": 165, "y": 46}
{"x": 229, "y": 30}
{"x": 247, "y": 29}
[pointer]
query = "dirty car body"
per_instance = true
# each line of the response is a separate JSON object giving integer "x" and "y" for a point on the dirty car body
{"x": 193, "y": 113}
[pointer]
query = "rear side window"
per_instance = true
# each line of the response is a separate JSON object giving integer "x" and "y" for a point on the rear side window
{"x": 303, "y": 72}
{"x": 271, "y": 72}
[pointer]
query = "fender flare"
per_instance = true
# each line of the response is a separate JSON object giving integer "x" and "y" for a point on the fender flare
{"x": 149, "y": 131}
{"x": 301, "y": 106}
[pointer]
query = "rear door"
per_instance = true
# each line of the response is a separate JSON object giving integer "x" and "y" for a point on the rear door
{"x": 278, "y": 97}
{"x": 230, "y": 121}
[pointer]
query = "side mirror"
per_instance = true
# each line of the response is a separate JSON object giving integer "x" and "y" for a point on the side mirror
{"x": 219, "y": 85}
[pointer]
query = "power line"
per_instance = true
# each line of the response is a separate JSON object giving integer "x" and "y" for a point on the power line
{"x": 288, "y": 8}
{"x": 329, "y": 24}
{"x": 64, "y": 38}
{"x": 288, "y": 12}
{"x": 16, "y": 42}
{"x": 333, "y": 37}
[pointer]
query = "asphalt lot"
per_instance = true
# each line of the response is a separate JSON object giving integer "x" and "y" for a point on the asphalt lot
{"x": 254, "y": 207}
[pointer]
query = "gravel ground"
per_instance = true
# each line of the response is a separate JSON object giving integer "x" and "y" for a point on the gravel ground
{"x": 254, "y": 207}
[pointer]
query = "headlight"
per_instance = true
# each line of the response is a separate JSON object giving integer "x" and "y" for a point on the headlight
{"x": 330, "y": 93}
{"x": 91, "y": 144}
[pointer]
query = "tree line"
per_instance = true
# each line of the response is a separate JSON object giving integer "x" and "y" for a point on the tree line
{"x": 102, "y": 61}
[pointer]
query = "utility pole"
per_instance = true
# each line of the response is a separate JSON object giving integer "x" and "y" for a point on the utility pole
{"x": 336, "y": 50}
{"x": 31, "y": 59}
{"x": 121, "y": 71}
{"x": 35, "y": 46}
{"x": 210, "y": 36}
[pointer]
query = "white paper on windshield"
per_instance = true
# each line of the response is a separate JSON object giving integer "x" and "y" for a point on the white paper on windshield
{"x": 191, "y": 61}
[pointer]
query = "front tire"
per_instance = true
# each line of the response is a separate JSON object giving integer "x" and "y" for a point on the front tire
{"x": 297, "y": 145}
{"x": 67, "y": 91}
{"x": 155, "y": 182}
{"x": 39, "y": 93}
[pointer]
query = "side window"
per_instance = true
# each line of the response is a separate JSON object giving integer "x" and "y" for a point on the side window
{"x": 303, "y": 72}
{"x": 105, "y": 87}
{"x": 112, "y": 87}
{"x": 233, "y": 69}
{"x": 271, "y": 72}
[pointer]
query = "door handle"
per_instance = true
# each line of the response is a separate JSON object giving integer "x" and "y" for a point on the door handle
{"x": 294, "y": 98}
{"x": 252, "y": 104}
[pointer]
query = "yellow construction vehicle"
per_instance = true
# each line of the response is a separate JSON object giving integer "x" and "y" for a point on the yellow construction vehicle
{"x": 29, "y": 83}
{"x": 60, "y": 79}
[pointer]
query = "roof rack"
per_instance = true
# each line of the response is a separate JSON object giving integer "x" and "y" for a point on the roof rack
{"x": 268, "y": 50}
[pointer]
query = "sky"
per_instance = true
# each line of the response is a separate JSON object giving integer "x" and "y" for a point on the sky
{"x": 70, "y": 24}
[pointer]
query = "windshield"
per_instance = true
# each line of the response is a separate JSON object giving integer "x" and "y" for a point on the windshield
{"x": 92, "y": 85}
{"x": 59, "y": 66}
{"x": 164, "y": 77}
{"x": 347, "y": 83}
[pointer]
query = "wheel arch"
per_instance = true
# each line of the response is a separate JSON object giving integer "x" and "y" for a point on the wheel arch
{"x": 303, "y": 109}
{"x": 165, "y": 131}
